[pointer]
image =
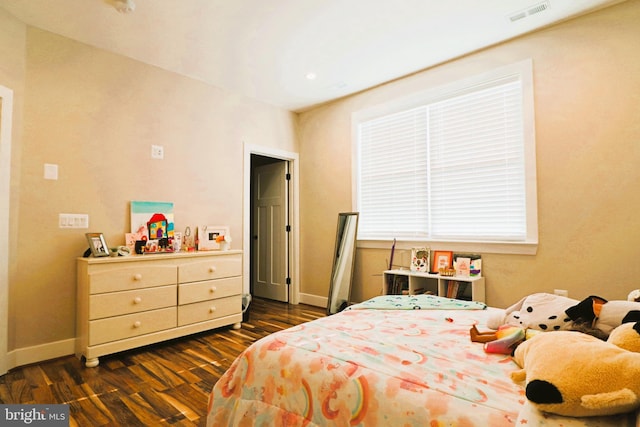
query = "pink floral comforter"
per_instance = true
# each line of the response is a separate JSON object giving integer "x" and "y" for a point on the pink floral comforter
{"x": 378, "y": 368}
{"x": 373, "y": 368}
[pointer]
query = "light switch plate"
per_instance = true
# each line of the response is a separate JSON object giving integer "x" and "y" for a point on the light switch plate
{"x": 157, "y": 152}
{"x": 66, "y": 220}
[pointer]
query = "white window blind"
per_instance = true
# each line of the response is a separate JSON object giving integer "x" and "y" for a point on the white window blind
{"x": 393, "y": 175}
{"x": 451, "y": 169}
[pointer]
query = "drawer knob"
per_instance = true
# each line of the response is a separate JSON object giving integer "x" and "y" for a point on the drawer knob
{"x": 212, "y": 269}
{"x": 212, "y": 309}
{"x": 137, "y": 300}
{"x": 137, "y": 276}
{"x": 213, "y": 289}
{"x": 137, "y": 324}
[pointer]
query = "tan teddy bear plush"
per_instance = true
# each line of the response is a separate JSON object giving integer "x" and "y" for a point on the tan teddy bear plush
{"x": 575, "y": 374}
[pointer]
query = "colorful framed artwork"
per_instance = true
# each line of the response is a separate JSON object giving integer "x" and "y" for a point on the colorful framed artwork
{"x": 151, "y": 223}
{"x": 97, "y": 244}
{"x": 153, "y": 220}
{"x": 441, "y": 259}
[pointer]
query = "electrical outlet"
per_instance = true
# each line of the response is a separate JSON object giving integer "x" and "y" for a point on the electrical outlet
{"x": 561, "y": 292}
{"x": 50, "y": 171}
{"x": 73, "y": 220}
{"x": 157, "y": 152}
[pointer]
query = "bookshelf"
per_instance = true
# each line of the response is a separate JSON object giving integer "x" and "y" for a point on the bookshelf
{"x": 416, "y": 282}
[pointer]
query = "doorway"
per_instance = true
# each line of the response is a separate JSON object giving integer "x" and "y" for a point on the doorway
{"x": 269, "y": 276}
{"x": 271, "y": 263}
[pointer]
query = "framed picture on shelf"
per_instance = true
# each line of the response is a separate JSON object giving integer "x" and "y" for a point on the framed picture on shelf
{"x": 473, "y": 260}
{"x": 462, "y": 266}
{"x": 420, "y": 259}
{"x": 441, "y": 259}
{"x": 97, "y": 244}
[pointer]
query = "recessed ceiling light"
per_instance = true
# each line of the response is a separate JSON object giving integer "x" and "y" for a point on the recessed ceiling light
{"x": 311, "y": 76}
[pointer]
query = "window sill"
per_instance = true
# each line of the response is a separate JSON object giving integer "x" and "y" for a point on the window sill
{"x": 513, "y": 248}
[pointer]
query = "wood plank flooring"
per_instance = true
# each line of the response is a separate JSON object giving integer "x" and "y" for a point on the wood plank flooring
{"x": 162, "y": 384}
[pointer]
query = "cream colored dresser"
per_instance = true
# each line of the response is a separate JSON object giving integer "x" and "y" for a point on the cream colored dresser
{"x": 127, "y": 302}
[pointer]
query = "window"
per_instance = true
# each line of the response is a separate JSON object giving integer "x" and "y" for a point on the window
{"x": 453, "y": 164}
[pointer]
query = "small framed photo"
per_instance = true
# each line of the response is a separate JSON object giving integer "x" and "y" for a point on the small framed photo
{"x": 441, "y": 259}
{"x": 467, "y": 264}
{"x": 97, "y": 244}
{"x": 420, "y": 259}
{"x": 210, "y": 237}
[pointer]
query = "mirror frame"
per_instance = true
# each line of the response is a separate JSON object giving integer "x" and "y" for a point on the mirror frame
{"x": 347, "y": 269}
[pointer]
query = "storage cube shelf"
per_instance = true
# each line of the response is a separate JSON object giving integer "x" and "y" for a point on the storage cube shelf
{"x": 416, "y": 282}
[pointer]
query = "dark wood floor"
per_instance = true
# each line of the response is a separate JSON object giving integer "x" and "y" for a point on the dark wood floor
{"x": 162, "y": 384}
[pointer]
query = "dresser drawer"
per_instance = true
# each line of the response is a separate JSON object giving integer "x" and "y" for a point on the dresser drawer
{"x": 209, "y": 289}
{"x": 126, "y": 302}
{"x": 135, "y": 276}
{"x": 213, "y": 268}
{"x": 131, "y": 325}
{"x": 208, "y": 310}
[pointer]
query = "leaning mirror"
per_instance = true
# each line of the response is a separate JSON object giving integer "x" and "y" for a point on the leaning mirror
{"x": 343, "y": 262}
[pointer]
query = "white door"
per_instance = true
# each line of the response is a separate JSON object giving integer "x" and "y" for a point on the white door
{"x": 270, "y": 245}
{"x": 6, "y": 111}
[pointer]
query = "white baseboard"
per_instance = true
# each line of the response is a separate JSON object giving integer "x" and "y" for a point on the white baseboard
{"x": 40, "y": 353}
{"x": 314, "y": 300}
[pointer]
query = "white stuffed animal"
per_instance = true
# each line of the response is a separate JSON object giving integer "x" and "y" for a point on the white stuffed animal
{"x": 541, "y": 311}
{"x": 605, "y": 315}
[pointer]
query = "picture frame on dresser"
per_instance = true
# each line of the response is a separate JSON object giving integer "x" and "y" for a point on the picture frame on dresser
{"x": 208, "y": 237}
{"x": 97, "y": 244}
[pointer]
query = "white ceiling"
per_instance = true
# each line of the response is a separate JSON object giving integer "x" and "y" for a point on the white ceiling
{"x": 265, "y": 48}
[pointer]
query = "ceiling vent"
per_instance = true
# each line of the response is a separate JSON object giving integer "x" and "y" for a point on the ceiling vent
{"x": 531, "y": 10}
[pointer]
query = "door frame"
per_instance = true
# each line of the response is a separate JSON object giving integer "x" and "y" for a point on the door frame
{"x": 294, "y": 217}
{"x": 6, "y": 98}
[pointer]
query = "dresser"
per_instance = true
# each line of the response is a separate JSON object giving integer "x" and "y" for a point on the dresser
{"x": 128, "y": 302}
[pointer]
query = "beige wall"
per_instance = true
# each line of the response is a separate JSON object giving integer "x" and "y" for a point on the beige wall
{"x": 587, "y": 107}
{"x": 96, "y": 115}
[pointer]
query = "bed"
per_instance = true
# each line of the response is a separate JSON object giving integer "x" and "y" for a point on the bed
{"x": 391, "y": 361}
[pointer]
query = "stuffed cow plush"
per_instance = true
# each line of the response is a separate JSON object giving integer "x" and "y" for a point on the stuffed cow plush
{"x": 540, "y": 311}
